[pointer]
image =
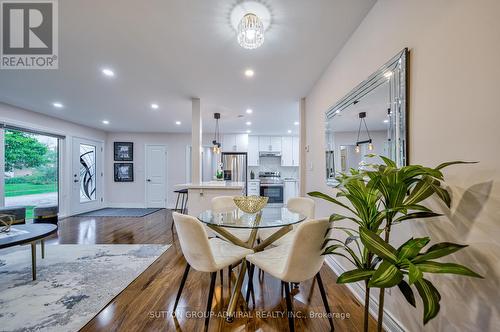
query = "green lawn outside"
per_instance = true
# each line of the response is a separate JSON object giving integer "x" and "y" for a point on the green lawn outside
{"x": 29, "y": 212}
{"x": 22, "y": 189}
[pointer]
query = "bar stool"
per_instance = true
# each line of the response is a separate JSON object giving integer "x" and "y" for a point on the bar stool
{"x": 182, "y": 194}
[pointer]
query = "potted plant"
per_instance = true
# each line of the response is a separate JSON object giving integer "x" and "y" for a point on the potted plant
{"x": 379, "y": 197}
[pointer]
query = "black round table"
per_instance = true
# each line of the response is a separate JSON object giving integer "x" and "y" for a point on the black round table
{"x": 27, "y": 233}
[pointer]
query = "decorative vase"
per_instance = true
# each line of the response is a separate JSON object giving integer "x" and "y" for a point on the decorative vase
{"x": 6, "y": 221}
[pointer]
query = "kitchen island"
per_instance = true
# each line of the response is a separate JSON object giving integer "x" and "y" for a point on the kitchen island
{"x": 200, "y": 194}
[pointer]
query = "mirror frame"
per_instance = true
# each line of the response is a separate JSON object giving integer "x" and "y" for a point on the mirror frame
{"x": 398, "y": 85}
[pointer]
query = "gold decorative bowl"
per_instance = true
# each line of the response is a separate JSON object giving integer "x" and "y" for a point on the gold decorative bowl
{"x": 250, "y": 204}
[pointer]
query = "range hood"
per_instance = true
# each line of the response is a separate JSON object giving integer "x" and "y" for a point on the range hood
{"x": 269, "y": 154}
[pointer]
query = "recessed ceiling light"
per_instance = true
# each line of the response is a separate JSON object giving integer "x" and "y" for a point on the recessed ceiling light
{"x": 249, "y": 131}
{"x": 178, "y": 123}
{"x": 249, "y": 73}
{"x": 386, "y": 121}
{"x": 248, "y": 123}
{"x": 106, "y": 122}
{"x": 154, "y": 106}
{"x": 296, "y": 123}
{"x": 108, "y": 72}
{"x": 289, "y": 131}
{"x": 58, "y": 105}
{"x": 249, "y": 111}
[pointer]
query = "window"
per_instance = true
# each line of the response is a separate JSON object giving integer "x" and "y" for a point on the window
{"x": 87, "y": 173}
{"x": 31, "y": 169}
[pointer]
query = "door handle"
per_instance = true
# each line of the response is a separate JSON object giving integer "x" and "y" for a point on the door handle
{"x": 75, "y": 181}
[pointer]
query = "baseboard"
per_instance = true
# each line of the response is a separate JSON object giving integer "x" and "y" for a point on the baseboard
{"x": 390, "y": 323}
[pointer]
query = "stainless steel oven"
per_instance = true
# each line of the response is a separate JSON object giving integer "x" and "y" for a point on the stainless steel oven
{"x": 273, "y": 191}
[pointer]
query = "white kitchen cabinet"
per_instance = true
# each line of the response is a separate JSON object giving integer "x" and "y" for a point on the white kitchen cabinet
{"x": 253, "y": 150}
{"x": 265, "y": 143}
{"x": 235, "y": 143}
{"x": 296, "y": 151}
{"x": 242, "y": 142}
{"x": 276, "y": 143}
{"x": 290, "y": 151}
{"x": 270, "y": 143}
{"x": 253, "y": 188}
{"x": 290, "y": 190}
{"x": 287, "y": 151}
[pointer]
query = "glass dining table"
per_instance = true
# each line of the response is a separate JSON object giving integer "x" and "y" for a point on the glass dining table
{"x": 222, "y": 222}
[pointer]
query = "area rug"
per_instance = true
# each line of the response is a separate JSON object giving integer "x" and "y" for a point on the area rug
{"x": 74, "y": 282}
{"x": 118, "y": 212}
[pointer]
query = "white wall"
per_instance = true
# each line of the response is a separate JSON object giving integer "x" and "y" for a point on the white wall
{"x": 454, "y": 71}
{"x": 28, "y": 119}
{"x": 132, "y": 194}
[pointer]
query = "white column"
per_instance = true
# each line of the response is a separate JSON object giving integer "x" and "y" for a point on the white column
{"x": 196, "y": 141}
{"x": 302, "y": 151}
{"x": 2, "y": 168}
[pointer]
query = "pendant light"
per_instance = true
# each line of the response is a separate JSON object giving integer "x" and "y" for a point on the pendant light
{"x": 362, "y": 116}
{"x": 216, "y": 142}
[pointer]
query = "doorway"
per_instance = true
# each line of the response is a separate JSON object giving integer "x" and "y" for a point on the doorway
{"x": 87, "y": 175}
{"x": 156, "y": 171}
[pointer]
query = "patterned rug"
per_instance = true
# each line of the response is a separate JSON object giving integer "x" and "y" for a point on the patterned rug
{"x": 74, "y": 282}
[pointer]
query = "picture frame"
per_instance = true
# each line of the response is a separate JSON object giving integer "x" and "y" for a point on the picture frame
{"x": 124, "y": 172}
{"x": 123, "y": 151}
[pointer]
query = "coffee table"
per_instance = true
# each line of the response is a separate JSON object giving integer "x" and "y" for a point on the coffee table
{"x": 28, "y": 233}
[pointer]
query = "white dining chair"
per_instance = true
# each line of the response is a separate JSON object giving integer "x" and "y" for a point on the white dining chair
{"x": 226, "y": 204}
{"x": 204, "y": 254}
{"x": 296, "y": 262}
{"x": 302, "y": 205}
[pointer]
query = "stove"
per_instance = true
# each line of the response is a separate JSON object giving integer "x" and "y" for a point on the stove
{"x": 270, "y": 178}
{"x": 271, "y": 185}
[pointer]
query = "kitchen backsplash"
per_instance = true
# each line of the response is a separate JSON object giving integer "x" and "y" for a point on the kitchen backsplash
{"x": 273, "y": 164}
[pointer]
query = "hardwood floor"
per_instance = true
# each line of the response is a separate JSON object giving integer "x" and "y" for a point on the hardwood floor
{"x": 145, "y": 305}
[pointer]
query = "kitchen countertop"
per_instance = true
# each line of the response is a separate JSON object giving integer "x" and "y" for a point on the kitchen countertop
{"x": 211, "y": 185}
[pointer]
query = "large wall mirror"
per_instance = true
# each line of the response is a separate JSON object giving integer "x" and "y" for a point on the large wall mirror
{"x": 371, "y": 119}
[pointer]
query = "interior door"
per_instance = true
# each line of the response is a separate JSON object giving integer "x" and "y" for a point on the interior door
{"x": 87, "y": 175}
{"x": 156, "y": 184}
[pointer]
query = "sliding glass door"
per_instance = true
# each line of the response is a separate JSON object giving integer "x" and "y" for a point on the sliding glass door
{"x": 31, "y": 169}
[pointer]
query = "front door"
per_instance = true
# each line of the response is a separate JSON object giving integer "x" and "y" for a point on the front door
{"x": 156, "y": 184}
{"x": 86, "y": 176}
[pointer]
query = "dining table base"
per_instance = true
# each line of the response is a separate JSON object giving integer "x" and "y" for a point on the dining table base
{"x": 250, "y": 244}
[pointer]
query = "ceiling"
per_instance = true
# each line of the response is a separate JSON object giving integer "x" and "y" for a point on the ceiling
{"x": 375, "y": 104}
{"x": 167, "y": 52}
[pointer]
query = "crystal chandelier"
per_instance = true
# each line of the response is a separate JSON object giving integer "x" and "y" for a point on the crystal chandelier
{"x": 250, "y": 32}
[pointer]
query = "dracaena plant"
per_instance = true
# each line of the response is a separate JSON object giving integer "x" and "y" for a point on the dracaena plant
{"x": 364, "y": 211}
{"x": 379, "y": 197}
{"x": 409, "y": 261}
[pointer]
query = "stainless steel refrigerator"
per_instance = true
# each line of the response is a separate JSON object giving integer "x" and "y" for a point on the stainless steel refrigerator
{"x": 235, "y": 167}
